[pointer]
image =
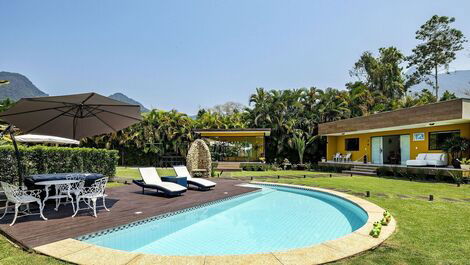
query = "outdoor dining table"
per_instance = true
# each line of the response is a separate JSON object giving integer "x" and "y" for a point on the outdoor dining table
{"x": 47, "y": 184}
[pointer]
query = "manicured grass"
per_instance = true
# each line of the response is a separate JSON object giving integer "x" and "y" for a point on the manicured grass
{"x": 133, "y": 172}
{"x": 274, "y": 173}
{"x": 10, "y": 254}
{"x": 428, "y": 232}
{"x": 388, "y": 186}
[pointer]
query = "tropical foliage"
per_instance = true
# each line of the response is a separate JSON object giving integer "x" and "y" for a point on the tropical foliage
{"x": 440, "y": 42}
{"x": 379, "y": 84}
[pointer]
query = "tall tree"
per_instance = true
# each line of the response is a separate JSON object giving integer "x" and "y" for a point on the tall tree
{"x": 440, "y": 42}
{"x": 382, "y": 74}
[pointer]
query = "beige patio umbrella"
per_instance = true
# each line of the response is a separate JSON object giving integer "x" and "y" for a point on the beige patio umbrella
{"x": 71, "y": 116}
{"x": 44, "y": 139}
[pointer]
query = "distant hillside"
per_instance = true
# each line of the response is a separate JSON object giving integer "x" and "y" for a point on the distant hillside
{"x": 126, "y": 99}
{"x": 19, "y": 86}
{"x": 457, "y": 82}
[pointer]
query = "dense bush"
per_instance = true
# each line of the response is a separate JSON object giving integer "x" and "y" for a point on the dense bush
{"x": 323, "y": 168}
{"x": 254, "y": 167}
{"x": 44, "y": 159}
{"x": 417, "y": 174}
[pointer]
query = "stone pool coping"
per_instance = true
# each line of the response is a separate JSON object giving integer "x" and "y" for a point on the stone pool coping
{"x": 78, "y": 252}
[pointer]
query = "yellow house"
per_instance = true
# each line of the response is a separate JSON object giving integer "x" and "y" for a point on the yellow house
{"x": 396, "y": 136}
{"x": 236, "y": 145}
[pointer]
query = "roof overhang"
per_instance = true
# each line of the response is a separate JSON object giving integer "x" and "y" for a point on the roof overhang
{"x": 437, "y": 114}
{"x": 233, "y": 132}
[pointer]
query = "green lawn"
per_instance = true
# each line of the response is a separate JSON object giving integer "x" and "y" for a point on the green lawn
{"x": 10, "y": 254}
{"x": 133, "y": 172}
{"x": 273, "y": 173}
{"x": 393, "y": 187}
{"x": 428, "y": 232}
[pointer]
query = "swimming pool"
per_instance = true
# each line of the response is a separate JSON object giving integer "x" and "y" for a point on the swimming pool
{"x": 273, "y": 219}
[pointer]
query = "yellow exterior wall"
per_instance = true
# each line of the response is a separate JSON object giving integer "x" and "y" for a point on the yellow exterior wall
{"x": 336, "y": 144}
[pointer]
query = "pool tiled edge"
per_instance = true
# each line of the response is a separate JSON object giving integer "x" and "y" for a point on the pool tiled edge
{"x": 79, "y": 252}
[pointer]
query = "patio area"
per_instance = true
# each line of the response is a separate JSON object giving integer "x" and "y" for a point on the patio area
{"x": 127, "y": 204}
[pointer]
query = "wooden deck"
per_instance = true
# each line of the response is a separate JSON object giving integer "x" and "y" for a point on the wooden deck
{"x": 124, "y": 203}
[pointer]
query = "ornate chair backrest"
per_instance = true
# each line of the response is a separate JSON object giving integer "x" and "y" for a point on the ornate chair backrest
{"x": 11, "y": 191}
{"x": 77, "y": 185}
{"x": 99, "y": 186}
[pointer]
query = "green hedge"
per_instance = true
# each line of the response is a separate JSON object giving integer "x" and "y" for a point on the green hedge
{"x": 254, "y": 167}
{"x": 45, "y": 159}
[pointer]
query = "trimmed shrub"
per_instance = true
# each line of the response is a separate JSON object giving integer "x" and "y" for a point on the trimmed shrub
{"x": 415, "y": 174}
{"x": 323, "y": 168}
{"x": 254, "y": 167}
{"x": 45, "y": 159}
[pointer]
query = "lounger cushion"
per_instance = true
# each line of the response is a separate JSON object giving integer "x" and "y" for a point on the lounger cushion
{"x": 416, "y": 163}
{"x": 436, "y": 163}
{"x": 165, "y": 189}
{"x": 150, "y": 176}
{"x": 433, "y": 156}
{"x": 172, "y": 186}
{"x": 203, "y": 182}
{"x": 182, "y": 171}
{"x": 421, "y": 157}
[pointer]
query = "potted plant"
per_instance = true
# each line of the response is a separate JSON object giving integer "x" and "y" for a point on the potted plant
{"x": 465, "y": 163}
{"x": 456, "y": 147}
{"x": 286, "y": 164}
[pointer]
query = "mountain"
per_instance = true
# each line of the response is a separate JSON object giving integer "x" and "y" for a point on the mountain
{"x": 126, "y": 99}
{"x": 457, "y": 82}
{"x": 19, "y": 86}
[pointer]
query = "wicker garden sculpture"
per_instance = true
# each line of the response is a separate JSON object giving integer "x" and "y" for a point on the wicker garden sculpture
{"x": 199, "y": 157}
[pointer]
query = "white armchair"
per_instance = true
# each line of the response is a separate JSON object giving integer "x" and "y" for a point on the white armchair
{"x": 91, "y": 194}
{"x": 18, "y": 197}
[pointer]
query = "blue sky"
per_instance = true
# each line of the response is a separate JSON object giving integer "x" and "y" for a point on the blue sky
{"x": 189, "y": 54}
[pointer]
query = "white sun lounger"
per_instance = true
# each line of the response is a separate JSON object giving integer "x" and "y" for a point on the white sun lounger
{"x": 151, "y": 180}
{"x": 203, "y": 184}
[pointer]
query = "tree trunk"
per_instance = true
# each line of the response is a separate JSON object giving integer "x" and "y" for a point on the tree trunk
{"x": 436, "y": 87}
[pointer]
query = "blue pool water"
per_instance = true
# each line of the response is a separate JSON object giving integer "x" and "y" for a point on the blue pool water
{"x": 273, "y": 219}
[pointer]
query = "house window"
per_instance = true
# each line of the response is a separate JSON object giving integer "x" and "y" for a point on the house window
{"x": 352, "y": 144}
{"x": 437, "y": 139}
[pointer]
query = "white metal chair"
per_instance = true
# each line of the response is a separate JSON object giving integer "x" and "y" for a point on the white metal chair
{"x": 91, "y": 194}
{"x": 67, "y": 190}
{"x": 347, "y": 157}
{"x": 337, "y": 157}
{"x": 19, "y": 196}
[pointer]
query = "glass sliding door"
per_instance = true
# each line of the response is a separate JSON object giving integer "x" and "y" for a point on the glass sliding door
{"x": 377, "y": 150}
{"x": 404, "y": 148}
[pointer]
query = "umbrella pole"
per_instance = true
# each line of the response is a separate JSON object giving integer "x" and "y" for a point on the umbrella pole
{"x": 17, "y": 153}
{"x": 18, "y": 160}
